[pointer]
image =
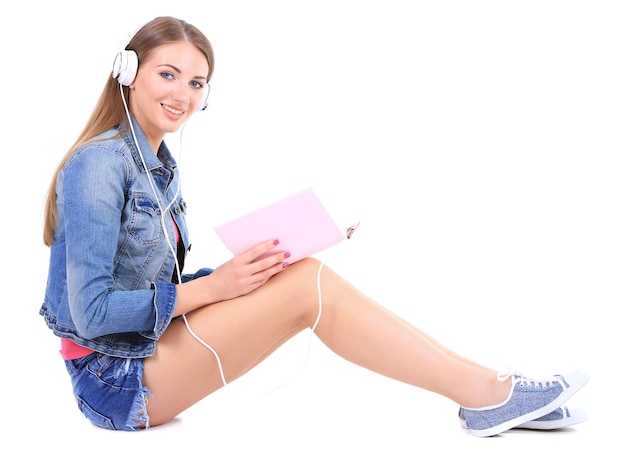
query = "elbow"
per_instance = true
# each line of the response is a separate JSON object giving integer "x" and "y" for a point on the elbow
{"x": 90, "y": 322}
{"x": 88, "y": 329}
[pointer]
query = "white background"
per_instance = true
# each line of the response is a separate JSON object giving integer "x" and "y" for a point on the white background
{"x": 480, "y": 144}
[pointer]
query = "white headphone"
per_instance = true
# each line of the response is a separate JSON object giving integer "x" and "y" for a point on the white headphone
{"x": 125, "y": 68}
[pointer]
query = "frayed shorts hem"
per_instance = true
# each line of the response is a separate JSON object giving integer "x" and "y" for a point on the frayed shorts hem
{"x": 109, "y": 391}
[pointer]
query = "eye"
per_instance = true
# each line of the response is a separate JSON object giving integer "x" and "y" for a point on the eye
{"x": 167, "y": 75}
{"x": 196, "y": 84}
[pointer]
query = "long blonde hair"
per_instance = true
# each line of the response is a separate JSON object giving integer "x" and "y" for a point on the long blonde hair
{"x": 109, "y": 110}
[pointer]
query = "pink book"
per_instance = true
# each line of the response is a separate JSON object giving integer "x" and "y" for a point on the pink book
{"x": 300, "y": 222}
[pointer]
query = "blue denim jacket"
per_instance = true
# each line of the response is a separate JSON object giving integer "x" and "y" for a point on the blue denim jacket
{"x": 110, "y": 284}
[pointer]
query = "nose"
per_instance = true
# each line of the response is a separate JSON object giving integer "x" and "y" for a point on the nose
{"x": 181, "y": 93}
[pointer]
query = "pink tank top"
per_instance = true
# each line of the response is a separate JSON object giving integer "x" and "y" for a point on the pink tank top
{"x": 71, "y": 350}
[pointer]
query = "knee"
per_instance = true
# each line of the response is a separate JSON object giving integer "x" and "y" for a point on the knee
{"x": 308, "y": 269}
{"x": 309, "y": 264}
{"x": 312, "y": 276}
{"x": 311, "y": 281}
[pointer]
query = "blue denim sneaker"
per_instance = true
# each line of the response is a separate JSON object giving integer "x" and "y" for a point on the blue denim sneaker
{"x": 559, "y": 418}
{"x": 528, "y": 400}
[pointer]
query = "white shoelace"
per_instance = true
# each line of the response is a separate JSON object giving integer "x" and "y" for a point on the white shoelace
{"x": 526, "y": 381}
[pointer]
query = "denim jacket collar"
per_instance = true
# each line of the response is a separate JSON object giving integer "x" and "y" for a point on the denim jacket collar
{"x": 152, "y": 160}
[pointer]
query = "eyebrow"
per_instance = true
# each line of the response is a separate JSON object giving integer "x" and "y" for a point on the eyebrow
{"x": 197, "y": 77}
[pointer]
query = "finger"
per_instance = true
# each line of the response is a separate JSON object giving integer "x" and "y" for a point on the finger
{"x": 260, "y": 249}
{"x": 277, "y": 261}
{"x": 263, "y": 275}
{"x": 266, "y": 245}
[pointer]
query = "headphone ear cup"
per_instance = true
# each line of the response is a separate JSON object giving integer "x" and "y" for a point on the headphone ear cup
{"x": 204, "y": 102}
{"x": 125, "y": 67}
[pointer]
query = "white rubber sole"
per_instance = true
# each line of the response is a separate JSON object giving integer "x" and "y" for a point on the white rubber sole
{"x": 574, "y": 416}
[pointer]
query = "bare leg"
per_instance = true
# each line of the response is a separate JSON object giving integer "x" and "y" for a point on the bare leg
{"x": 246, "y": 330}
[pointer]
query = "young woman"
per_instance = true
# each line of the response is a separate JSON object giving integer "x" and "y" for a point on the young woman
{"x": 142, "y": 341}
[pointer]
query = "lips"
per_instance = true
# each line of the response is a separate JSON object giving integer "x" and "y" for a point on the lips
{"x": 172, "y": 110}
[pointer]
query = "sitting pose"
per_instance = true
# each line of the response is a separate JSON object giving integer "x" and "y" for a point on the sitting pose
{"x": 142, "y": 341}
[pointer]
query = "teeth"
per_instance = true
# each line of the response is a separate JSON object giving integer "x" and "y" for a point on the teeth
{"x": 172, "y": 110}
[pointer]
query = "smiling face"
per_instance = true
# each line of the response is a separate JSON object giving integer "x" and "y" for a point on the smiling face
{"x": 168, "y": 89}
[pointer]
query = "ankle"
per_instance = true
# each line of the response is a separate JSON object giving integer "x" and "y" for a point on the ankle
{"x": 489, "y": 391}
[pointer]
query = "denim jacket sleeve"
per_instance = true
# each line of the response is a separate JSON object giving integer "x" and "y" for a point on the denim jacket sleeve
{"x": 93, "y": 198}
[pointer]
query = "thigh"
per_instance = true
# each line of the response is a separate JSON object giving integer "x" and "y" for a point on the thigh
{"x": 243, "y": 331}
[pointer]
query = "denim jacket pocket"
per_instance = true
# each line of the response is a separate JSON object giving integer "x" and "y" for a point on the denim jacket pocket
{"x": 145, "y": 223}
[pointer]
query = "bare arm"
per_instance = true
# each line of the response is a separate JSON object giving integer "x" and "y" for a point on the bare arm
{"x": 238, "y": 276}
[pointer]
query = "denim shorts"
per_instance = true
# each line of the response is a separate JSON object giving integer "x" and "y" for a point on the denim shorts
{"x": 109, "y": 391}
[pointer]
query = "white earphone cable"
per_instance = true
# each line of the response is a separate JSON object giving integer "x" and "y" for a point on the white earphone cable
{"x": 319, "y": 312}
{"x": 177, "y": 266}
{"x": 163, "y": 225}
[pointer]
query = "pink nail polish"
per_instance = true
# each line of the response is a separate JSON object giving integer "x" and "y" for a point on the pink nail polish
{"x": 287, "y": 255}
{"x": 285, "y": 264}
{"x": 276, "y": 242}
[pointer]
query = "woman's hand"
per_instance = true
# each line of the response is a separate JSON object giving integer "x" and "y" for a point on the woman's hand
{"x": 238, "y": 276}
{"x": 247, "y": 272}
